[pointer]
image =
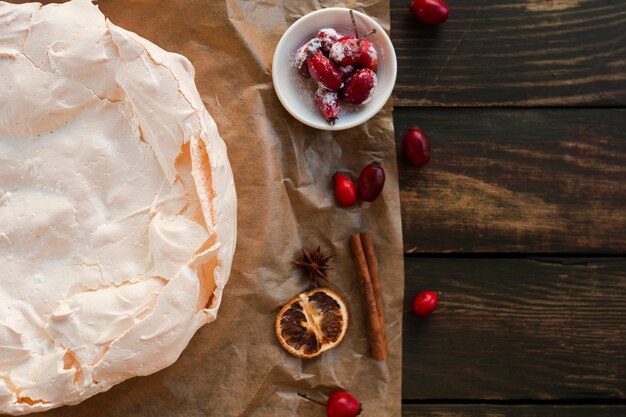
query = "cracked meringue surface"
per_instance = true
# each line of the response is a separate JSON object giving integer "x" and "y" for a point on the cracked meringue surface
{"x": 117, "y": 206}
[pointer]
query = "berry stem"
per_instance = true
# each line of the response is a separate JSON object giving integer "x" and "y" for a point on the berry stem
{"x": 300, "y": 394}
{"x": 362, "y": 38}
{"x": 356, "y": 31}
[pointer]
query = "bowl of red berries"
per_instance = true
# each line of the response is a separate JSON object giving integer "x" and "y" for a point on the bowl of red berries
{"x": 334, "y": 68}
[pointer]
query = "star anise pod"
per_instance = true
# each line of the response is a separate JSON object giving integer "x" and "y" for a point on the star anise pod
{"x": 315, "y": 263}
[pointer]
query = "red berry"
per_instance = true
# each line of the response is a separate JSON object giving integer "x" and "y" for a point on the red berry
{"x": 360, "y": 87}
{"x": 304, "y": 53}
{"x": 346, "y": 51}
{"x": 328, "y": 37}
{"x": 345, "y": 190}
{"x": 431, "y": 12}
{"x": 328, "y": 103}
{"x": 369, "y": 56}
{"x": 371, "y": 182}
{"x": 342, "y": 404}
{"x": 325, "y": 72}
{"x": 425, "y": 303}
{"x": 417, "y": 147}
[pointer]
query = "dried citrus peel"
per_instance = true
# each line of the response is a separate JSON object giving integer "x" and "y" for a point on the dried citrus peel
{"x": 312, "y": 323}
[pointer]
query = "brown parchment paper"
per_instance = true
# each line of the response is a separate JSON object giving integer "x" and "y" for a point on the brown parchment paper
{"x": 283, "y": 170}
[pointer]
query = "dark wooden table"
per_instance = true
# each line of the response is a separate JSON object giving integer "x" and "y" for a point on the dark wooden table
{"x": 519, "y": 221}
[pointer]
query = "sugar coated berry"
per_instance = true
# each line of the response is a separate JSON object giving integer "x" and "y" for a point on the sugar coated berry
{"x": 346, "y": 51}
{"x": 360, "y": 87}
{"x": 368, "y": 57}
{"x": 303, "y": 54}
{"x": 328, "y": 103}
{"x": 325, "y": 72}
{"x": 328, "y": 37}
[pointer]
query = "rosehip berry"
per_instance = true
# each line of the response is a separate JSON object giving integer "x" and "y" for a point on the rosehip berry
{"x": 342, "y": 404}
{"x": 328, "y": 37}
{"x": 417, "y": 147}
{"x": 371, "y": 182}
{"x": 360, "y": 87}
{"x": 304, "y": 53}
{"x": 325, "y": 72}
{"x": 328, "y": 103}
{"x": 368, "y": 57}
{"x": 431, "y": 12}
{"x": 346, "y": 51}
{"x": 345, "y": 190}
{"x": 424, "y": 303}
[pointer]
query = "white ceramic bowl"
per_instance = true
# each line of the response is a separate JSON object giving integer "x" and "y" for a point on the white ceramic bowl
{"x": 297, "y": 93}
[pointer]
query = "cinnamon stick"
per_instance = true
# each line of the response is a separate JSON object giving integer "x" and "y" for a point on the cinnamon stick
{"x": 372, "y": 265}
{"x": 376, "y": 331}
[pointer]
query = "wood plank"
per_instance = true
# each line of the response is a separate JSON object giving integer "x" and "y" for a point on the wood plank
{"x": 513, "y": 53}
{"x": 527, "y": 329}
{"x": 502, "y": 180}
{"x": 513, "y": 411}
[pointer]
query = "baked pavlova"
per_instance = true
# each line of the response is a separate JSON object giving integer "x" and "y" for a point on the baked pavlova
{"x": 117, "y": 206}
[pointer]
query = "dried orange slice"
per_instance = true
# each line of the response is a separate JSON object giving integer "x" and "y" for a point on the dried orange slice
{"x": 312, "y": 322}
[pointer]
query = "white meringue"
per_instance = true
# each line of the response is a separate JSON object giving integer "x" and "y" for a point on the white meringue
{"x": 117, "y": 206}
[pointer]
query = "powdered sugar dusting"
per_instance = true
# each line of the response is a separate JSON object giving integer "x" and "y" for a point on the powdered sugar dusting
{"x": 329, "y": 33}
{"x": 328, "y": 36}
{"x": 344, "y": 52}
{"x": 371, "y": 94}
{"x": 337, "y": 53}
{"x": 327, "y": 97}
{"x": 305, "y": 88}
{"x": 346, "y": 70}
{"x": 371, "y": 51}
{"x": 308, "y": 49}
{"x": 304, "y": 52}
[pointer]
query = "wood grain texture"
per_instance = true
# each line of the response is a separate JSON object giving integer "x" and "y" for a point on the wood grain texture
{"x": 512, "y": 411}
{"x": 521, "y": 180}
{"x": 516, "y": 329}
{"x": 513, "y": 53}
